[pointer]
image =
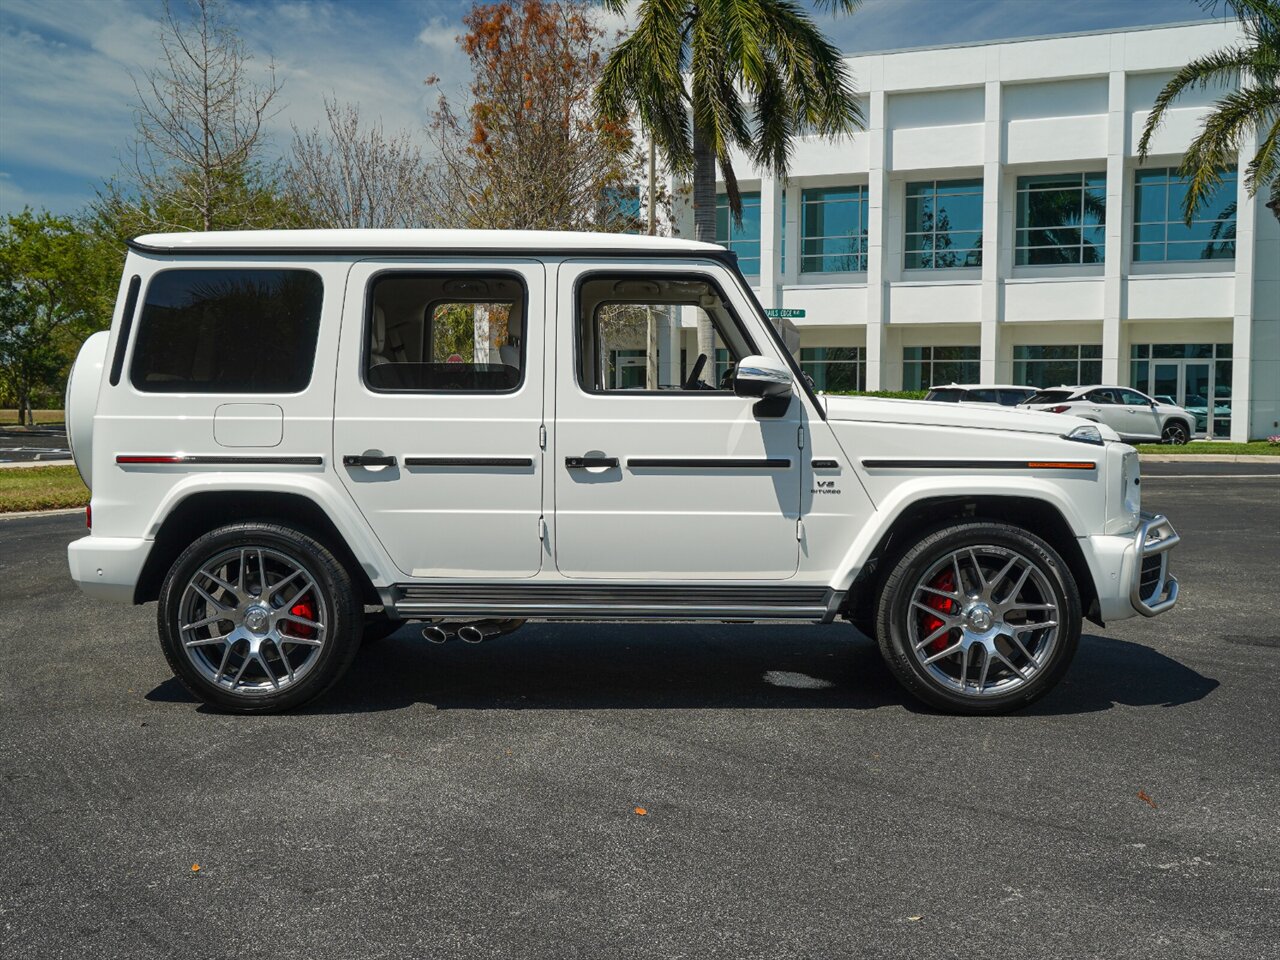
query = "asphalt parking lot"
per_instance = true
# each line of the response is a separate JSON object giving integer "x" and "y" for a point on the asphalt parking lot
{"x": 34, "y": 443}
{"x": 463, "y": 801}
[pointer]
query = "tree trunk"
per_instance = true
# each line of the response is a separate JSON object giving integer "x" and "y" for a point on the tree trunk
{"x": 704, "y": 230}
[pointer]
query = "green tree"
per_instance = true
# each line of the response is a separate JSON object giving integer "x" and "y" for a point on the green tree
{"x": 57, "y": 285}
{"x": 1251, "y": 72}
{"x": 760, "y": 72}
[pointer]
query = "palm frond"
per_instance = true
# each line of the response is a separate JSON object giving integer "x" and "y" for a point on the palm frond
{"x": 1218, "y": 144}
{"x": 1221, "y": 67}
{"x": 646, "y": 70}
{"x": 1265, "y": 165}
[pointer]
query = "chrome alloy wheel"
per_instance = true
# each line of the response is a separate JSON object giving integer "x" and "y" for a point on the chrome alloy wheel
{"x": 983, "y": 621}
{"x": 252, "y": 621}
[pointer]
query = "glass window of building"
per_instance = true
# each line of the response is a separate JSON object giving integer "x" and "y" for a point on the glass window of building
{"x": 925, "y": 367}
{"x": 943, "y": 224}
{"x": 835, "y": 368}
{"x": 1159, "y": 231}
{"x": 833, "y": 230}
{"x": 1196, "y": 376}
{"x": 1057, "y": 366}
{"x": 743, "y": 240}
{"x": 1061, "y": 219}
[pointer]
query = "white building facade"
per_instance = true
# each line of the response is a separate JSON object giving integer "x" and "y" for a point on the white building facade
{"x": 992, "y": 224}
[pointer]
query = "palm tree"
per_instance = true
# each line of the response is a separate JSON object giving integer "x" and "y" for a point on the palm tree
{"x": 1252, "y": 69}
{"x": 760, "y": 73}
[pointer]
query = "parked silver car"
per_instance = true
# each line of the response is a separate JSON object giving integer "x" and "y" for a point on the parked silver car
{"x": 1000, "y": 394}
{"x": 1133, "y": 415}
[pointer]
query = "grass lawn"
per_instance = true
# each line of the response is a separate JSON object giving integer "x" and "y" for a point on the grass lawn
{"x": 1215, "y": 447}
{"x": 41, "y": 488}
{"x": 9, "y": 417}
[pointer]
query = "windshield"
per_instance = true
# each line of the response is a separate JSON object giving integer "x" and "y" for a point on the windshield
{"x": 1049, "y": 396}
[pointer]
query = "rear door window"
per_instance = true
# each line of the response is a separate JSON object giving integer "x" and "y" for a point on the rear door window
{"x": 228, "y": 331}
{"x": 982, "y": 396}
{"x": 1011, "y": 398}
{"x": 445, "y": 332}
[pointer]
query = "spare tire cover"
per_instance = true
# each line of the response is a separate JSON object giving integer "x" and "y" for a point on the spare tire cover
{"x": 82, "y": 402}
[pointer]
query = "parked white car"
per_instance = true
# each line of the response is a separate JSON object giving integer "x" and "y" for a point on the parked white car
{"x": 999, "y": 394}
{"x": 1134, "y": 416}
{"x": 281, "y": 428}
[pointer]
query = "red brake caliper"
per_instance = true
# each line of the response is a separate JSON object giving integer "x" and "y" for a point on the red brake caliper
{"x": 946, "y": 581}
{"x": 304, "y": 609}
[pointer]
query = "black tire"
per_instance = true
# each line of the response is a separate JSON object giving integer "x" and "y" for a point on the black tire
{"x": 893, "y": 607}
{"x": 335, "y": 594}
{"x": 1175, "y": 433}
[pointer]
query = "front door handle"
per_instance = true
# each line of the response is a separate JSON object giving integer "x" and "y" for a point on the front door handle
{"x": 360, "y": 460}
{"x": 583, "y": 463}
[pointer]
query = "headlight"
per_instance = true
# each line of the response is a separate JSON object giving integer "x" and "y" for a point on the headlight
{"x": 1086, "y": 433}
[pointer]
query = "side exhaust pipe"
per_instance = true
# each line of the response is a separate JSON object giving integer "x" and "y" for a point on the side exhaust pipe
{"x": 436, "y": 634}
{"x": 477, "y": 632}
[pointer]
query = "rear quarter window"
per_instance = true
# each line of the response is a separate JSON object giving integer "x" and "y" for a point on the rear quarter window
{"x": 228, "y": 331}
{"x": 1049, "y": 396}
{"x": 945, "y": 396}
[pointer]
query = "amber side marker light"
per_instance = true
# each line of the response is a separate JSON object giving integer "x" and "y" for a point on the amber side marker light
{"x": 1061, "y": 465}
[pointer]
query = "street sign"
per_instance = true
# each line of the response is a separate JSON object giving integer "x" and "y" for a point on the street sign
{"x": 784, "y": 313}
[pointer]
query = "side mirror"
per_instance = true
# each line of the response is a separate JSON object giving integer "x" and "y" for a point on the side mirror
{"x": 760, "y": 377}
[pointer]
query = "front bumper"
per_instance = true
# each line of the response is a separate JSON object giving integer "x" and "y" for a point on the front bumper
{"x": 1131, "y": 571}
{"x": 108, "y": 568}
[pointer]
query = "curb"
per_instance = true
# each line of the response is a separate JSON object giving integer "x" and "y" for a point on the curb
{"x": 23, "y": 514}
{"x": 27, "y": 464}
{"x": 1207, "y": 458}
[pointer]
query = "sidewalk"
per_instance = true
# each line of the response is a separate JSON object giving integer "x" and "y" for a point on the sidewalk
{"x": 21, "y": 464}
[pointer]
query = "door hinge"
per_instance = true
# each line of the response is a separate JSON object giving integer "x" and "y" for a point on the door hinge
{"x": 799, "y": 528}
{"x": 542, "y": 529}
{"x": 542, "y": 437}
{"x": 800, "y": 437}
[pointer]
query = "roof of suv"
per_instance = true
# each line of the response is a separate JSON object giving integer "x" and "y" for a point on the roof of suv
{"x": 446, "y": 241}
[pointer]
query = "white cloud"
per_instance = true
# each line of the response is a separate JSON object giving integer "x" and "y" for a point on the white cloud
{"x": 67, "y": 96}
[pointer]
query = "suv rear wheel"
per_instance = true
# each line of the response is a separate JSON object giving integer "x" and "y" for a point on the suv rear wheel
{"x": 979, "y": 618}
{"x": 257, "y": 617}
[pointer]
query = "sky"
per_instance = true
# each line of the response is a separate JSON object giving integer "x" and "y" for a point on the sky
{"x": 67, "y": 67}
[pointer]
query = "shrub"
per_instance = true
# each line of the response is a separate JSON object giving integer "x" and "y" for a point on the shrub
{"x": 891, "y": 394}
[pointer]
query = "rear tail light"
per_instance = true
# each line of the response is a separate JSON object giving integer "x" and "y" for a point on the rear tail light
{"x": 1057, "y": 409}
{"x": 88, "y": 516}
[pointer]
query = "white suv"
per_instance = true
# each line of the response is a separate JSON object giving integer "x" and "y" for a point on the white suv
{"x": 1133, "y": 415}
{"x": 285, "y": 431}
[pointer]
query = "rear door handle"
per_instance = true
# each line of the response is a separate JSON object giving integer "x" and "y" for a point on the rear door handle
{"x": 582, "y": 463}
{"x": 360, "y": 460}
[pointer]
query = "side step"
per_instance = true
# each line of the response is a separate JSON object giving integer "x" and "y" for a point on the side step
{"x": 656, "y": 601}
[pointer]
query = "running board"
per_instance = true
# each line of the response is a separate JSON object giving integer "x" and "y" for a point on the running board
{"x": 656, "y": 601}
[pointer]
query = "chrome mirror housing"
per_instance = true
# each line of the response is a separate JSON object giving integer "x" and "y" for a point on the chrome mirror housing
{"x": 759, "y": 377}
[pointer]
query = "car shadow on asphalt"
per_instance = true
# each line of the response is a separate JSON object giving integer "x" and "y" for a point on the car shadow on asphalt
{"x": 593, "y": 666}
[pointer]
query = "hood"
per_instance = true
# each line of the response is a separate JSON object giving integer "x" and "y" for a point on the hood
{"x": 969, "y": 416}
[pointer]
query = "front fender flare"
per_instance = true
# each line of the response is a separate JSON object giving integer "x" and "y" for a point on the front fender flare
{"x": 921, "y": 489}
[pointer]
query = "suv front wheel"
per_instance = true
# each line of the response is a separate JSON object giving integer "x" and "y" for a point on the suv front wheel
{"x": 258, "y": 617}
{"x": 979, "y": 618}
